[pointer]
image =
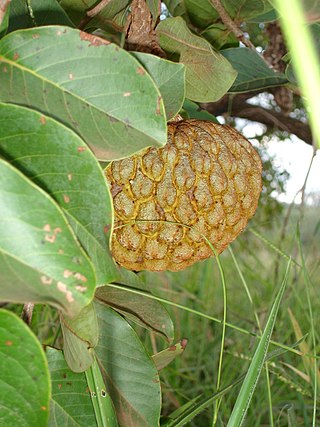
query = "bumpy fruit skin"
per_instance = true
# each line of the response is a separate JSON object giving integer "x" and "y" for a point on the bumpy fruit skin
{"x": 207, "y": 177}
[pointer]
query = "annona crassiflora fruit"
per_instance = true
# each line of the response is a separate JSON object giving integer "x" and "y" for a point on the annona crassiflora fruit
{"x": 206, "y": 181}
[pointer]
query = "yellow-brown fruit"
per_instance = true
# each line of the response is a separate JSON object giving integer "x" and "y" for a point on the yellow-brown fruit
{"x": 207, "y": 177}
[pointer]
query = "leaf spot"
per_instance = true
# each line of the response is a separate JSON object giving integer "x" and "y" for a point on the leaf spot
{"x": 71, "y": 76}
{"x": 61, "y": 287}
{"x": 67, "y": 274}
{"x": 35, "y": 36}
{"x": 60, "y": 251}
{"x": 59, "y": 386}
{"x": 70, "y": 296}
{"x": 127, "y": 94}
{"x": 42, "y": 120}
{"x": 81, "y": 149}
{"x": 81, "y": 288}
{"x": 141, "y": 71}
{"x": 158, "y": 110}
{"x": 94, "y": 40}
{"x": 69, "y": 176}
{"x": 66, "y": 198}
{"x": 43, "y": 408}
{"x": 15, "y": 56}
{"x": 106, "y": 228}
{"x": 184, "y": 343}
{"x": 79, "y": 276}
{"x": 8, "y": 343}
{"x": 57, "y": 230}
{"x": 172, "y": 348}
{"x": 103, "y": 393}
{"x": 47, "y": 227}
{"x": 46, "y": 280}
{"x": 5, "y": 69}
{"x": 50, "y": 238}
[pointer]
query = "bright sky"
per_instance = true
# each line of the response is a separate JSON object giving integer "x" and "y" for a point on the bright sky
{"x": 294, "y": 155}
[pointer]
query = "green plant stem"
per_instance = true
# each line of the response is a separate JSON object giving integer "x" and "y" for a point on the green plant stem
{"x": 304, "y": 58}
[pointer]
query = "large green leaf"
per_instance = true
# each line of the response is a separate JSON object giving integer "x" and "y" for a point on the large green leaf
{"x": 40, "y": 260}
{"x": 4, "y": 16}
{"x": 70, "y": 402}
{"x": 253, "y": 72}
{"x": 89, "y": 84}
{"x": 77, "y": 10}
{"x": 170, "y": 79}
{"x": 208, "y": 74}
{"x": 59, "y": 161}
{"x": 130, "y": 375}
{"x": 80, "y": 335}
{"x": 75, "y": 396}
{"x": 141, "y": 309}
{"x": 24, "y": 375}
{"x": 36, "y": 13}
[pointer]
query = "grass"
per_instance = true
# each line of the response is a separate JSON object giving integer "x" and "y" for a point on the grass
{"x": 288, "y": 391}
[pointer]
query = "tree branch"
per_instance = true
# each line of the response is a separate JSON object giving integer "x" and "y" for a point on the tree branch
{"x": 237, "y": 106}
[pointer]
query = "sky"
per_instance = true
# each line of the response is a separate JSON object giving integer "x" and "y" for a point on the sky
{"x": 293, "y": 155}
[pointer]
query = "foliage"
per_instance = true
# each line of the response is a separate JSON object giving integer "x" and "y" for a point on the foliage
{"x": 73, "y": 96}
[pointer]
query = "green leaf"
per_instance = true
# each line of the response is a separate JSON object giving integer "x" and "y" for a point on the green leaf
{"x": 246, "y": 9}
{"x": 59, "y": 161}
{"x": 129, "y": 373}
{"x": 153, "y": 6}
{"x": 36, "y": 13}
{"x": 24, "y": 379}
{"x": 102, "y": 403}
{"x": 142, "y": 310}
{"x": 166, "y": 356}
{"x": 169, "y": 78}
{"x": 91, "y": 85}
{"x": 70, "y": 402}
{"x": 208, "y": 74}
{"x": 253, "y": 72}
{"x": 201, "y": 12}
{"x": 77, "y": 9}
{"x": 40, "y": 260}
{"x": 220, "y": 36}
{"x": 4, "y": 16}
{"x": 195, "y": 112}
{"x": 80, "y": 335}
{"x": 253, "y": 374}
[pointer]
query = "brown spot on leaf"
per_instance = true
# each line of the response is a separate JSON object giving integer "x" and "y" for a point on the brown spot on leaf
{"x": 172, "y": 348}
{"x": 67, "y": 273}
{"x": 5, "y": 69}
{"x": 79, "y": 276}
{"x": 35, "y": 36}
{"x": 81, "y": 149}
{"x": 8, "y": 343}
{"x": 47, "y": 227}
{"x": 46, "y": 280}
{"x": 106, "y": 228}
{"x": 59, "y": 386}
{"x": 50, "y": 238}
{"x": 141, "y": 71}
{"x": 69, "y": 176}
{"x": 61, "y": 287}
{"x": 15, "y": 56}
{"x": 158, "y": 110}
{"x": 69, "y": 296}
{"x": 71, "y": 76}
{"x": 57, "y": 230}
{"x": 42, "y": 120}
{"x": 43, "y": 408}
{"x": 127, "y": 94}
{"x": 66, "y": 198}
{"x": 81, "y": 288}
{"x": 94, "y": 40}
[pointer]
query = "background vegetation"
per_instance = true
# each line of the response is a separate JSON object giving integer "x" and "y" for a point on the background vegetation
{"x": 105, "y": 374}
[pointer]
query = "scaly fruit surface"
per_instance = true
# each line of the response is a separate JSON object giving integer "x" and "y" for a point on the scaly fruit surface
{"x": 206, "y": 181}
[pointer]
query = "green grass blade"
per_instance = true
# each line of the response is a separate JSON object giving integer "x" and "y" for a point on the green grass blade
{"x": 253, "y": 373}
{"x": 102, "y": 403}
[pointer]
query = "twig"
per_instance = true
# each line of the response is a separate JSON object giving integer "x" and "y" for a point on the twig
{"x": 98, "y": 8}
{"x": 229, "y": 23}
{"x": 27, "y": 311}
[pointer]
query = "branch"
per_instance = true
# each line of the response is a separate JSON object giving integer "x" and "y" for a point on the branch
{"x": 237, "y": 106}
{"x": 229, "y": 23}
